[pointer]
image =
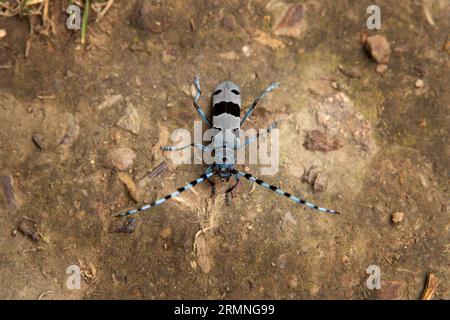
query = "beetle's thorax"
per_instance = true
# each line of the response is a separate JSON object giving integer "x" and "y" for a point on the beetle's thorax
{"x": 226, "y": 104}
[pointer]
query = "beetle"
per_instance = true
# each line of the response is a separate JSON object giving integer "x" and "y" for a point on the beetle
{"x": 226, "y": 121}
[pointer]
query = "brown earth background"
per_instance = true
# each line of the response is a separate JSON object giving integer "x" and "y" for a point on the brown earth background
{"x": 379, "y": 146}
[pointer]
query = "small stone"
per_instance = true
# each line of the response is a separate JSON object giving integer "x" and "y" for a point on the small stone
{"x": 317, "y": 141}
{"x": 422, "y": 123}
{"x": 29, "y": 228}
{"x": 116, "y": 136}
{"x": 2, "y": 33}
{"x": 38, "y": 141}
{"x": 121, "y": 158}
{"x": 165, "y": 233}
{"x": 423, "y": 181}
{"x": 130, "y": 121}
{"x": 282, "y": 261}
{"x": 186, "y": 90}
{"x": 321, "y": 182}
{"x": 266, "y": 40}
{"x": 246, "y": 51}
{"x": 193, "y": 264}
{"x": 309, "y": 175}
{"x": 351, "y": 72}
{"x": 287, "y": 221}
{"x": 292, "y": 281}
{"x": 379, "y": 48}
{"x": 229, "y": 22}
{"x": 151, "y": 17}
{"x": 419, "y": 83}
{"x": 446, "y": 47}
{"x": 381, "y": 68}
{"x": 109, "y": 101}
{"x": 397, "y": 217}
{"x": 390, "y": 290}
{"x": 335, "y": 85}
{"x": 289, "y": 19}
{"x": 69, "y": 74}
{"x": 345, "y": 260}
{"x": 204, "y": 264}
{"x": 231, "y": 55}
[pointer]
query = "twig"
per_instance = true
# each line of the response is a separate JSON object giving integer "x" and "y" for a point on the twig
{"x": 43, "y": 294}
{"x": 9, "y": 190}
{"x": 85, "y": 21}
{"x": 45, "y": 18}
{"x": 430, "y": 288}
{"x": 101, "y": 14}
{"x": 160, "y": 168}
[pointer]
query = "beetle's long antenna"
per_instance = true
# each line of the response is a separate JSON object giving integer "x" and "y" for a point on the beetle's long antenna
{"x": 277, "y": 190}
{"x": 174, "y": 194}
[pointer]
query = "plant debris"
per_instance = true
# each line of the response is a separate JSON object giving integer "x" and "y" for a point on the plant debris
{"x": 9, "y": 190}
{"x": 430, "y": 287}
{"x": 129, "y": 183}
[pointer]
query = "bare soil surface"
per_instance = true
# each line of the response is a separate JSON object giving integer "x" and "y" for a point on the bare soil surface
{"x": 367, "y": 143}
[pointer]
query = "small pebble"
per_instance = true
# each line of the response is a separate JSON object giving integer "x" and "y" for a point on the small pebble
{"x": 335, "y": 85}
{"x": 419, "y": 83}
{"x": 166, "y": 233}
{"x": 292, "y": 281}
{"x": 29, "y": 228}
{"x": 381, "y": 68}
{"x": 131, "y": 120}
{"x": 121, "y": 158}
{"x": 186, "y": 90}
{"x": 246, "y": 51}
{"x": 321, "y": 182}
{"x": 397, "y": 217}
{"x": 316, "y": 140}
{"x": 37, "y": 139}
{"x": 391, "y": 290}
{"x": 379, "y": 48}
{"x": 2, "y": 33}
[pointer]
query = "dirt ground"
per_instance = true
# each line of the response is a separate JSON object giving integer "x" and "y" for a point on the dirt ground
{"x": 392, "y": 154}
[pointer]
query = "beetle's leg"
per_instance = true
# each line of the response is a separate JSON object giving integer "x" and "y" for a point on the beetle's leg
{"x": 212, "y": 183}
{"x": 195, "y": 145}
{"x": 169, "y": 196}
{"x": 256, "y": 136}
{"x": 229, "y": 193}
{"x": 255, "y": 102}
{"x": 277, "y": 190}
{"x": 197, "y": 96}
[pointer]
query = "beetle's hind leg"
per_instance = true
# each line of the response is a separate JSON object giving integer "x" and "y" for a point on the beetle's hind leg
{"x": 212, "y": 183}
{"x": 229, "y": 193}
